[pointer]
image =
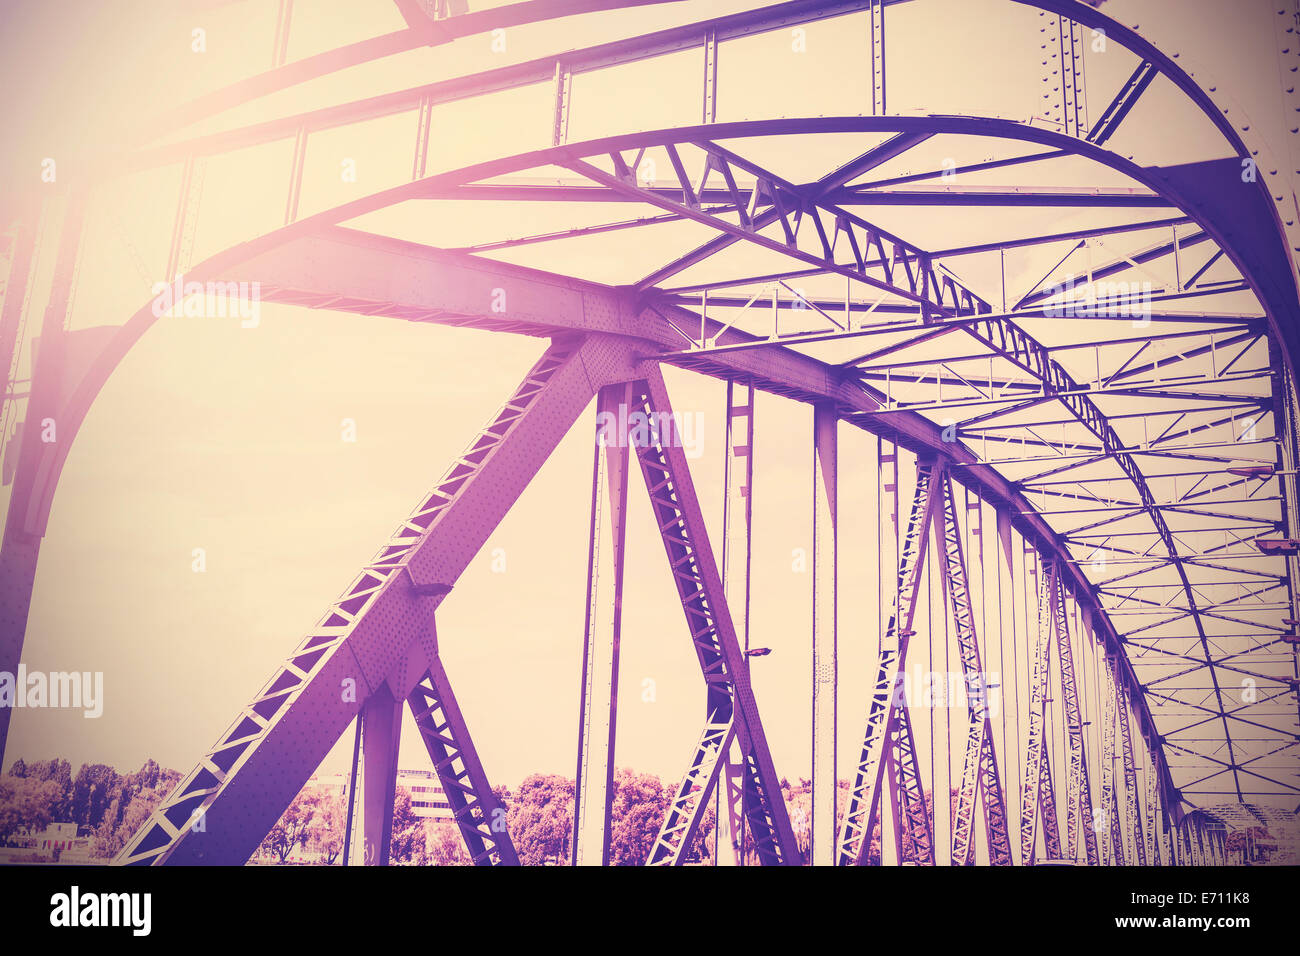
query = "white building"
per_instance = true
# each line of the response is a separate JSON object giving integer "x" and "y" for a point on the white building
{"x": 427, "y": 797}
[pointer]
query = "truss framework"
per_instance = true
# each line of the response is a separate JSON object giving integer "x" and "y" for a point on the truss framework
{"x": 815, "y": 225}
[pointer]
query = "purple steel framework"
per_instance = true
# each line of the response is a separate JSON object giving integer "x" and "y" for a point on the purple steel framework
{"x": 377, "y": 644}
{"x": 980, "y": 763}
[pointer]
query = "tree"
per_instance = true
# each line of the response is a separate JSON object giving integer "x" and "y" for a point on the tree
{"x": 93, "y": 793}
{"x": 540, "y": 819}
{"x": 122, "y": 821}
{"x": 640, "y": 803}
{"x": 151, "y": 783}
{"x": 60, "y": 772}
{"x": 408, "y": 838}
{"x": 444, "y": 845}
{"x": 26, "y": 804}
{"x": 291, "y": 830}
{"x": 326, "y": 835}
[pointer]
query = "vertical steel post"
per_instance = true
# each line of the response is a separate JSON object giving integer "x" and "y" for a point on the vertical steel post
{"x": 349, "y": 835}
{"x": 598, "y": 706}
{"x": 1132, "y": 805}
{"x": 738, "y": 504}
{"x": 825, "y": 453}
{"x": 730, "y": 704}
{"x": 881, "y": 710}
{"x": 22, "y": 537}
{"x": 1078, "y": 802}
{"x": 381, "y": 727}
{"x": 1037, "y": 776}
{"x": 980, "y": 775}
{"x": 876, "y": 30}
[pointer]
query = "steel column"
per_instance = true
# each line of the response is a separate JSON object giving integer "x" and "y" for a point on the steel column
{"x": 1151, "y": 835}
{"x": 1109, "y": 800}
{"x": 825, "y": 574}
{"x": 737, "y": 514}
{"x": 1036, "y": 791}
{"x": 474, "y": 806}
{"x": 1132, "y": 806}
{"x": 877, "y": 37}
{"x": 258, "y": 766}
{"x": 1078, "y": 801}
{"x": 914, "y": 820}
{"x": 598, "y": 707}
{"x": 381, "y": 728}
{"x": 22, "y": 536}
{"x": 730, "y": 704}
{"x": 855, "y": 833}
{"x": 980, "y": 764}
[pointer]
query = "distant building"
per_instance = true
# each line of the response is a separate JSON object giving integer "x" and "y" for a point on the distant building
{"x": 58, "y": 842}
{"x": 428, "y": 800}
{"x": 427, "y": 797}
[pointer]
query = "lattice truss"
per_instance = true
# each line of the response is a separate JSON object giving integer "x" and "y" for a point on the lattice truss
{"x": 1069, "y": 299}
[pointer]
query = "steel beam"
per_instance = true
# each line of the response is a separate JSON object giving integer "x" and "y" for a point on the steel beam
{"x": 914, "y": 821}
{"x": 738, "y": 504}
{"x": 254, "y": 771}
{"x": 598, "y": 707}
{"x": 980, "y": 774}
{"x": 855, "y": 833}
{"x": 24, "y": 526}
{"x": 824, "y": 633}
{"x": 729, "y": 701}
{"x": 918, "y": 281}
{"x": 1078, "y": 801}
{"x": 381, "y": 728}
{"x": 478, "y": 812}
{"x": 1114, "y": 847}
{"x": 1036, "y": 791}
{"x": 1132, "y": 805}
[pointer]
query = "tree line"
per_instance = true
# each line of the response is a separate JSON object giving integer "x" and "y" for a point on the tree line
{"x": 539, "y": 816}
{"x": 99, "y": 799}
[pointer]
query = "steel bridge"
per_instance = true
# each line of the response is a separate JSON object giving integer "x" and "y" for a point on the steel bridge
{"x": 1058, "y": 307}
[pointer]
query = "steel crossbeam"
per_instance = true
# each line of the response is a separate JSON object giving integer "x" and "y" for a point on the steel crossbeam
{"x": 914, "y": 817}
{"x": 220, "y": 811}
{"x": 1037, "y": 793}
{"x": 1132, "y": 806}
{"x": 474, "y": 806}
{"x": 881, "y": 710}
{"x": 980, "y": 774}
{"x": 738, "y": 498}
{"x": 1078, "y": 800}
{"x": 730, "y": 704}
{"x": 1109, "y": 800}
{"x": 904, "y": 270}
{"x": 598, "y": 709}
